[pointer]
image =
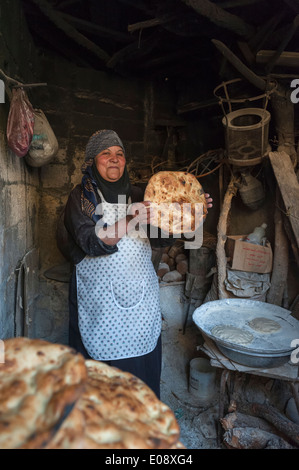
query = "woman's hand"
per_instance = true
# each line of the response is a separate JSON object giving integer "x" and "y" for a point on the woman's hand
{"x": 144, "y": 214}
{"x": 138, "y": 214}
{"x": 141, "y": 212}
{"x": 209, "y": 201}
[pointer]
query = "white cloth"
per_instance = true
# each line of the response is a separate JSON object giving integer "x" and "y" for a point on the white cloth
{"x": 118, "y": 297}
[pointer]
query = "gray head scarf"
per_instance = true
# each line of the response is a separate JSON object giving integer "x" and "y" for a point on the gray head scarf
{"x": 101, "y": 140}
{"x": 98, "y": 142}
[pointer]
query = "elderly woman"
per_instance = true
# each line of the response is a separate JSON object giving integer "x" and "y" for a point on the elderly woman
{"x": 115, "y": 312}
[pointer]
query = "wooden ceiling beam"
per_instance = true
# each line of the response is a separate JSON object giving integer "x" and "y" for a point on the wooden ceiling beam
{"x": 69, "y": 30}
{"x": 130, "y": 52}
{"x": 96, "y": 29}
{"x": 285, "y": 59}
{"x": 60, "y": 47}
{"x": 265, "y": 31}
{"x": 257, "y": 81}
{"x": 150, "y": 23}
{"x": 221, "y": 17}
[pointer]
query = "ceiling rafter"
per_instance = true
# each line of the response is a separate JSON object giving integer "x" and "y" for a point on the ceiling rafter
{"x": 152, "y": 22}
{"x": 138, "y": 48}
{"x": 221, "y": 17}
{"x": 147, "y": 38}
{"x": 69, "y": 30}
{"x": 96, "y": 29}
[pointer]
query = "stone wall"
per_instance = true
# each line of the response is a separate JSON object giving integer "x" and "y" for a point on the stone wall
{"x": 19, "y": 197}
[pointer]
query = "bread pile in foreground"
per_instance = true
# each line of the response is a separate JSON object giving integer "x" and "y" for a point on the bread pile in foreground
{"x": 52, "y": 398}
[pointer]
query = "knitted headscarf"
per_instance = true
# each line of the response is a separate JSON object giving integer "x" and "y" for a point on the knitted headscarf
{"x": 101, "y": 140}
{"x": 92, "y": 180}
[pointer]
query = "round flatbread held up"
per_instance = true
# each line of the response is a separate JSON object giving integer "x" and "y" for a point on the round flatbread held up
{"x": 178, "y": 201}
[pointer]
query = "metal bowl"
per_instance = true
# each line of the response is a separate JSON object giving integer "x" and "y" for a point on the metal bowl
{"x": 265, "y": 361}
{"x": 265, "y": 350}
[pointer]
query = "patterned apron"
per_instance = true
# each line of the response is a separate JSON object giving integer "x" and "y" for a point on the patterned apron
{"x": 118, "y": 296}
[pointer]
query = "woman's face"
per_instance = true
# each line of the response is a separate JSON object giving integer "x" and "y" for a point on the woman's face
{"x": 111, "y": 163}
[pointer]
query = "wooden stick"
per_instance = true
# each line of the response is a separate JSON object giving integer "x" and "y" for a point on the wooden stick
{"x": 150, "y": 23}
{"x": 133, "y": 50}
{"x": 257, "y": 81}
{"x": 253, "y": 438}
{"x": 96, "y": 29}
{"x": 286, "y": 58}
{"x": 281, "y": 258}
{"x": 273, "y": 416}
{"x": 223, "y": 383}
{"x": 236, "y": 419}
{"x": 289, "y": 187}
{"x": 11, "y": 82}
{"x": 222, "y": 236}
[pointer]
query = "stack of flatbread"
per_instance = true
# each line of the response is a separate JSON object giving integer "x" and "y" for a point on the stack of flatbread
{"x": 178, "y": 201}
{"x": 51, "y": 398}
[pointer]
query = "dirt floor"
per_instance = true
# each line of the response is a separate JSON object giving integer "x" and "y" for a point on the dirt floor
{"x": 198, "y": 425}
{"x": 179, "y": 346}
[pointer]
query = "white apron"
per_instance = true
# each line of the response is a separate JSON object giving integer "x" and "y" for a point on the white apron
{"x": 118, "y": 297}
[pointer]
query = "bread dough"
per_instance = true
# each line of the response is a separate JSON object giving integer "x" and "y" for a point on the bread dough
{"x": 264, "y": 325}
{"x": 232, "y": 334}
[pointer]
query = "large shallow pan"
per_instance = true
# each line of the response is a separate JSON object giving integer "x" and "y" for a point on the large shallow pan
{"x": 265, "y": 350}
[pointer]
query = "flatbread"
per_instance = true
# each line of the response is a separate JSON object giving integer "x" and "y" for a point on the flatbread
{"x": 179, "y": 201}
{"x": 39, "y": 383}
{"x": 117, "y": 411}
{"x": 51, "y": 398}
{"x": 232, "y": 334}
{"x": 264, "y": 325}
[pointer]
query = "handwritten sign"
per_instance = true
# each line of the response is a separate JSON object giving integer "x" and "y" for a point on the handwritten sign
{"x": 249, "y": 257}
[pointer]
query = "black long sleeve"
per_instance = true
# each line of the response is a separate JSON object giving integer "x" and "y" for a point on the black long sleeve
{"x": 81, "y": 229}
